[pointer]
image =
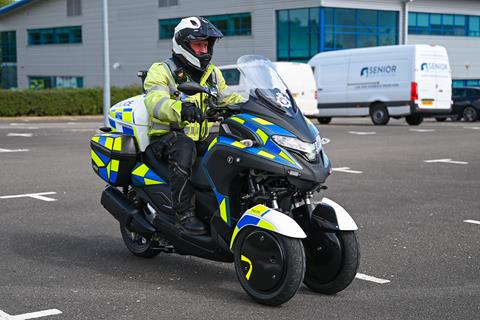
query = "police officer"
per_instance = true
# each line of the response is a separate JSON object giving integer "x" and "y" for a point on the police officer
{"x": 193, "y": 43}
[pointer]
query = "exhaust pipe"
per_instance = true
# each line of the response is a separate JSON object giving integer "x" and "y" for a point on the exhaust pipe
{"x": 125, "y": 212}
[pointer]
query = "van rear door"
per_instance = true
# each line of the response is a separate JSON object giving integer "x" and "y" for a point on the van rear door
{"x": 433, "y": 78}
{"x": 331, "y": 76}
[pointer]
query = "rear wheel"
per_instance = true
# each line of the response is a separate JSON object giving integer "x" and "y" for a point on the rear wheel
{"x": 379, "y": 114}
{"x": 269, "y": 266}
{"x": 324, "y": 120}
{"x": 332, "y": 261}
{"x": 138, "y": 245}
{"x": 414, "y": 119}
{"x": 470, "y": 114}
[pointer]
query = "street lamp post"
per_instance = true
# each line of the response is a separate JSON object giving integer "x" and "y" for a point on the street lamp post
{"x": 106, "y": 64}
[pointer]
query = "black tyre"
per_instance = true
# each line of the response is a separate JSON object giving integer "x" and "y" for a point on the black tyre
{"x": 414, "y": 119}
{"x": 379, "y": 114}
{"x": 324, "y": 120}
{"x": 269, "y": 266}
{"x": 332, "y": 261}
{"x": 470, "y": 114}
{"x": 439, "y": 119}
{"x": 138, "y": 245}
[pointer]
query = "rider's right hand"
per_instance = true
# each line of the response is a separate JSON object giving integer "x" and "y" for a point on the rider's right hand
{"x": 190, "y": 112}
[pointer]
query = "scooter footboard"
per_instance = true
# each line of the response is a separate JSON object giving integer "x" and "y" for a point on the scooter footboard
{"x": 264, "y": 217}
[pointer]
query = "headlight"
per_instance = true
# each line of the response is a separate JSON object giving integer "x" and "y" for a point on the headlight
{"x": 309, "y": 150}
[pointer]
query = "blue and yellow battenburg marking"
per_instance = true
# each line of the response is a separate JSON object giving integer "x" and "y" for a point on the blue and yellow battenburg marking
{"x": 143, "y": 176}
{"x": 253, "y": 217}
{"x": 124, "y": 114}
{"x": 107, "y": 168}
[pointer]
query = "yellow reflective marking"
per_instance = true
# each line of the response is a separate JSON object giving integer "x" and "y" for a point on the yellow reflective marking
{"x": 238, "y": 144}
{"x": 141, "y": 171}
{"x": 117, "y": 145}
{"x": 258, "y": 210}
{"x": 96, "y": 139}
{"x": 114, "y": 165}
{"x": 223, "y": 210}
{"x": 262, "y": 121}
{"x": 214, "y": 142}
{"x": 286, "y": 157}
{"x": 266, "y": 154}
{"x": 96, "y": 159}
{"x": 233, "y": 237}
{"x": 127, "y": 116}
{"x": 266, "y": 225}
{"x": 238, "y": 119}
{"x": 109, "y": 143}
{"x": 249, "y": 272}
{"x": 149, "y": 182}
{"x": 262, "y": 135}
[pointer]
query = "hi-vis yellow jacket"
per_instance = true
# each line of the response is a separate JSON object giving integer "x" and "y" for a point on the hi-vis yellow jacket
{"x": 164, "y": 105}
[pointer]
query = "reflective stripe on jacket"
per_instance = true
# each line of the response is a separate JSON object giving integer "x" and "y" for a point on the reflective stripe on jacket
{"x": 164, "y": 105}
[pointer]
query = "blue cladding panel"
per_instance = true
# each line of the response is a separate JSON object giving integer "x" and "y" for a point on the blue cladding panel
{"x": 102, "y": 140}
{"x": 103, "y": 173}
{"x": 112, "y": 123}
{"x": 113, "y": 176}
{"x": 104, "y": 158}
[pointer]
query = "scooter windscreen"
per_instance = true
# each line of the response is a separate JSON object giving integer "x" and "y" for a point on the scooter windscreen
{"x": 263, "y": 82}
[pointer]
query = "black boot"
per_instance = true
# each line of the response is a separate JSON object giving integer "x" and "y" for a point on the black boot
{"x": 190, "y": 223}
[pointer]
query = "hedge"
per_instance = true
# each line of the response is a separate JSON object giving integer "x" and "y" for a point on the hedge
{"x": 57, "y": 102}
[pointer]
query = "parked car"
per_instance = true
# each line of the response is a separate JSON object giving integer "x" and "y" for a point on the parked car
{"x": 411, "y": 81}
{"x": 466, "y": 104}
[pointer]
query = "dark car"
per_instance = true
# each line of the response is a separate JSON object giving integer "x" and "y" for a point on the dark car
{"x": 466, "y": 104}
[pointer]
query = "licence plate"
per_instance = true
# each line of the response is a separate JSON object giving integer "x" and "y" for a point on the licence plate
{"x": 427, "y": 103}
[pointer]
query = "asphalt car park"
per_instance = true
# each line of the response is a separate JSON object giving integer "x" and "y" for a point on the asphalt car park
{"x": 413, "y": 191}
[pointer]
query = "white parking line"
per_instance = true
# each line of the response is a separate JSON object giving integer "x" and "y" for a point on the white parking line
{"x": 370, "y": 278}
{"x": 31, "y": 315}
{"x": 361, "y": 133}
{"x": 38, "y": 196}
{"x": 473, "y": 128}
{"x": 19, "y": 134}
{"x": 13, "y": 150}
{"x": 422, "y": 130}
{"x": 346, "y": 170}
{"x": 445, "y": 161}
{"x": 472, "y": 221}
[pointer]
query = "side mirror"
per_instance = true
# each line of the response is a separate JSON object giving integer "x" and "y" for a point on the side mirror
{"x": 191, "y": 88}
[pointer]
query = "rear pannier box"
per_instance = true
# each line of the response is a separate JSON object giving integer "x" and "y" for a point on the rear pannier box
{"x": 113, "y": 157}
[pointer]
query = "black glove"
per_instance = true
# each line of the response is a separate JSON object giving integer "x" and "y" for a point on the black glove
{"x": 190, "y": 112}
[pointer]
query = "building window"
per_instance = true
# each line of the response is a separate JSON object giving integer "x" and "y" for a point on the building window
{"x": 238, "y": 24}
{"x": 466, "y": 83}
{"x": 74, "y": 8}
{"x": 439, "y": 24}
{"x": 301, "y": 33}
{"x": 167, "y": 3}
{"x": 51, "y": 82}
{"x": 8, "y": 59}
{"x": 60, "y": 35}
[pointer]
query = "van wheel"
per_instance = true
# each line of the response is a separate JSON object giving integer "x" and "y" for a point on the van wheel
{"x": 414, "y": 119}
{"x": 470, "y": 114}
{"x": 324, "y": 120}
{"x": 379, "y": 114}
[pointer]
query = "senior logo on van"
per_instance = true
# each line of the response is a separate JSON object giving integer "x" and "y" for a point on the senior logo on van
{"x": 378, "y": 71}
{"x": 432, "y": 66}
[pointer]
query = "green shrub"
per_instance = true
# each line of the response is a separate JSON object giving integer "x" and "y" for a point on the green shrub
{"x": 57, "y": 102}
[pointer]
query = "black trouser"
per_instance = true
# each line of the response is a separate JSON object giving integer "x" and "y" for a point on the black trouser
{"x": 181, "y": 152}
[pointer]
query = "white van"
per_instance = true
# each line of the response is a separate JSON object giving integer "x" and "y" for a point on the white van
{"x": 297, "y": 76}
{"x": 410, "y": 81}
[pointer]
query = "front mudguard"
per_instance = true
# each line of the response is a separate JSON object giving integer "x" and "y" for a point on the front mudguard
{"x": 326, "y": 215}
{"x": 264, "y": 217}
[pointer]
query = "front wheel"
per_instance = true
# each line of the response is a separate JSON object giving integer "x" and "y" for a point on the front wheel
{"x": 332, "y": 261}
{"x": 269, "y": 266}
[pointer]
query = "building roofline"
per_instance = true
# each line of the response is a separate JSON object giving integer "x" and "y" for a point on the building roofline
{"x": 13, "y": 6}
